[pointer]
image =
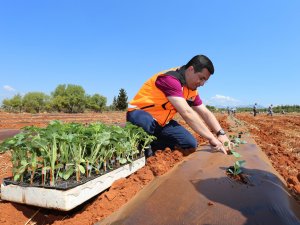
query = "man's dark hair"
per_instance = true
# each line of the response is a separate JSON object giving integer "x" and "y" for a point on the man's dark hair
{"x": 199, "y": 62}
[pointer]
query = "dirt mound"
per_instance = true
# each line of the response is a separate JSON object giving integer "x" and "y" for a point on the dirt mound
{"x": 163, "y": 161}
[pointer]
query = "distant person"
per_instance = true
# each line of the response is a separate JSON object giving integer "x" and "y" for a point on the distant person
{"x": 233, "y": 110}
{"x": 270, "y": 110}
{"x": 255, "y": 109}
{"x": 228, "y": 110}
{"x": 171, "y": 91}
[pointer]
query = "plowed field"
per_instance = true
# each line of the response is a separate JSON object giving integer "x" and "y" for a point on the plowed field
{"x": 278, "y": 136}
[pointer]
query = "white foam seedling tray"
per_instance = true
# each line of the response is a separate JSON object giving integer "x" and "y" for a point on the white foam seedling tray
{"x": 67, "y": 199}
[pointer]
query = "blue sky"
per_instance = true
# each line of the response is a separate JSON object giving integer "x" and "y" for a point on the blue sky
{"x": 111, "y": 44}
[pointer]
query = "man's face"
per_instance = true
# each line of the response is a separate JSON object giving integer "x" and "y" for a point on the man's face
{"x": 196, "y": 79}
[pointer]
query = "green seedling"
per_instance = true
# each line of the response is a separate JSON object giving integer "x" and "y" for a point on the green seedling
{"x": 235, "y": 154}
{"x": 61, "y": 151}
{"x": 231, "y": 152}
{"x": 236, "y": 170}
{"x": 236, "y": 140}
{"x": 232, "y": 136}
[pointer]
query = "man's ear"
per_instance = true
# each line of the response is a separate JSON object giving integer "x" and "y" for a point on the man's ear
{"x": 190, "y": 69}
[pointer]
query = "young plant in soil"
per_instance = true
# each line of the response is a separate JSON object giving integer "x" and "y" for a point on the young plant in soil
{"x": 235, "y": 172}
{"x": 231, "y": 151}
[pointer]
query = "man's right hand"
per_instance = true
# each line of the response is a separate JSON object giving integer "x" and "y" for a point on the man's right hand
{"x": 217, "y": 145}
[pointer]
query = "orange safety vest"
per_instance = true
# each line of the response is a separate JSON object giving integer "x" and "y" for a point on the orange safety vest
{"x": 152, "y": 100}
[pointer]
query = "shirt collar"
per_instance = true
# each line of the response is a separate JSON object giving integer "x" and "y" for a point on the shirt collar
{"x": 181, "y": 71}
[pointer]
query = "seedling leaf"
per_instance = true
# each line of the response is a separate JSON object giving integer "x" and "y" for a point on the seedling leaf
{"x": 235, "y": 154}
{"x": 81, "y": 168}
{"x": 68, "y": 173}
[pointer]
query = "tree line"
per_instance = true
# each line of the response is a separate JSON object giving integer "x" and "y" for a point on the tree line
{"x": 286, "y": 108}
{"x": 276, "y": 109}
{"x": 67, "y": 98}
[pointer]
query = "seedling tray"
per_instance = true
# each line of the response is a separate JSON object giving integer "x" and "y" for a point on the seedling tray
{"x": 66, "y": 199}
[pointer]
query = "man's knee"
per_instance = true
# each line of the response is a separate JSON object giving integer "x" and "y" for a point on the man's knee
{"x": 188, "y": 142}
{"x": 142, "y": 119}
{"x": 188, "y": 147}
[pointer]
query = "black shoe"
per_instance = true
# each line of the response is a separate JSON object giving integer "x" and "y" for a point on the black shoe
{"x": 148, "y": 152}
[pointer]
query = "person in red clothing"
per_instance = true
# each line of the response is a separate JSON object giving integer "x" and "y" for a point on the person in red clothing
{"x": 172, "y": 91}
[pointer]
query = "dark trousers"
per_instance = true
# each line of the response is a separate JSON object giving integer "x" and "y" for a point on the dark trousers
{"x": 254, "y": 112}
{"x": 171, "y": 135}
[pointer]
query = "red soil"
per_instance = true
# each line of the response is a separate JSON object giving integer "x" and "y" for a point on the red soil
{"x": 5, "y": 165}
{"x": 100, "y": 206}
{"x": 17, "y": 121}
{"x": 277, "y": 136}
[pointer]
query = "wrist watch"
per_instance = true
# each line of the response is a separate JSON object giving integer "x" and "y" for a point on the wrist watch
{"x": 221, "y": 132}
